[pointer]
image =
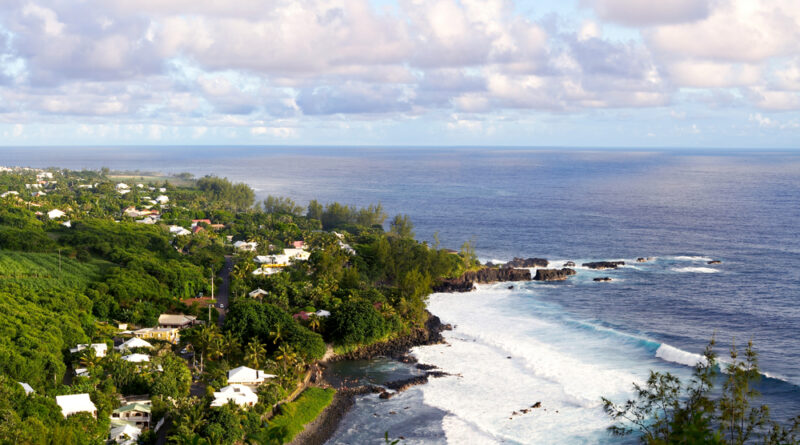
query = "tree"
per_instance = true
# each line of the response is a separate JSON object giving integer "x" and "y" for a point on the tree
{"x": 356, "y": 322}
{"x": 402, "y": 227}
{"x": 666, "y": 412}
{"x": 255, "y": 354}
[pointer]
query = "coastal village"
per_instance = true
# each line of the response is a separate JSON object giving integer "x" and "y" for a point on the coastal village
{"x": 249, "y": 300}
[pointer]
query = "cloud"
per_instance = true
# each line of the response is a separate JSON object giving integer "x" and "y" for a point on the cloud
{"x": 649, "y": 12}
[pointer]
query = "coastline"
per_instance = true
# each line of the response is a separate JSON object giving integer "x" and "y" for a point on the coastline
{"x": 321, "y": 429}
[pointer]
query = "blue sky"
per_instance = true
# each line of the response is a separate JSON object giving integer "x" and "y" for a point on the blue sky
{"x": 618, "y": 73}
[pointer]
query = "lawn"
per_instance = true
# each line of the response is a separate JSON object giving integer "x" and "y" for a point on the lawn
{"x": 295, "y": 415}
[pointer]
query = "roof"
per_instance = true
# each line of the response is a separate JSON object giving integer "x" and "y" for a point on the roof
{"x": 176, "y": 319}
{"x": 75, "y": 403}
{"x": 99, "y": 348}
{"x": 133, "y": 407}
{"x": 28, "y": 389}
{"x": 247, "y": 375}
{"x": 298, "y": 244}
{"x": 240, "y": 394}
{"x": 124, "y": 430}
{"x": 322, "y": 313}
{"x": 136, "y": 358}
{"x": 303, "y": 315}
{"x": 258, "y": 292}
{"x": 134, "y": 343}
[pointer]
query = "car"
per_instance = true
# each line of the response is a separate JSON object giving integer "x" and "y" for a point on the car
{"x": 221, "y": 306}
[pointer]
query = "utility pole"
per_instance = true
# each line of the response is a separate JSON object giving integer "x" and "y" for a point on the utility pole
{"x": 212, "y": 282}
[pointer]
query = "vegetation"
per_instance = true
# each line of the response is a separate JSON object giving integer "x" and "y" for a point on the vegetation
{"x": 295, "y": 415}
{"x": 667, "y": 412}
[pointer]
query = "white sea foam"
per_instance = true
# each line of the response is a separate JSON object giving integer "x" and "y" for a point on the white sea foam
{"x": 695, "y": 269}
{"x": 690, "y": 258}
{"x": 567, "y": 368}
{"x": 675, "y": 355}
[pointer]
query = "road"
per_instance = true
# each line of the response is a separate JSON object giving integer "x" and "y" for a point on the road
{"x": 224, "y": 291}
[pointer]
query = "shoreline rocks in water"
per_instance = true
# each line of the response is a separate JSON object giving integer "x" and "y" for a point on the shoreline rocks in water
{"x": 466, "y": 282}
{"x": 401, "y": 385}
{"x": 526, "y": 262}
{"x": 715, "y": 262}
{"x": 553, "y": 274}
{"x": 641, "y": 260}
{"x": 602, "y": 279}
{"x": 325, "y": 425}
{"x": 600, "y": 265}
{"x": 569, "y": 264}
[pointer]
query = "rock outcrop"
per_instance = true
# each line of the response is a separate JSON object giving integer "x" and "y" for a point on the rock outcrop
{"x": 465, "y": 282}
{"x": 641, "y": 260}
{"x": 526, "y": 262}
{"x": 569, "y": 264}
{"x": 602, "y": 279}
{"x": 599, "y": 265}
{"x": 553, "y": 274}
{"x": 715, "y": 262}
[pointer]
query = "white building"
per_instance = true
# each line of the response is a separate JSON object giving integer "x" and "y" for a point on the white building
{"x": 122, "y": 186}
{"x": 322, "y": 313}
{"x": 76, "y": 403}
{"x": 162, "y": 199}
{"x": 247, "y": 376}
{"x": 276, "y": 260}
{"x": 55, "y": 214}
{"x": 297, "y": 254}
{"x": 9, "y": 193}
{"x": 179, "y": 231}
{"x": 123, "y": 433}
{"x": 245, "y": 246}
{"x": 239, "y": 394}
{"x": 133, "y": 343}
{"x": 27, "y": 388}
{"x": 258, "y": 293}
{"x": 136, "y": 358}
{"x": 100, "y": 349}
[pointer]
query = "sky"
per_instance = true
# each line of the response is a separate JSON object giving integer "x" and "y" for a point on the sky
{"x": 585, "y": 73}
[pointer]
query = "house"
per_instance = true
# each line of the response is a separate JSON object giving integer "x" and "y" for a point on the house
{"x": 195, "y": 222}
{"x": 179, "y": 321}
{"x": 162, "y": 199}
{"x": 347, "y": 248}
{"x": 297, "y": 254}
{"x": 100, "y": 349}
{"x": 298, "y": 244}
{"x": 178, "y": 231}
{"x": 167, "y": 334}
{"x": 44, "y": 175}
{"x": 27, "y": 388}
{"x": 217, "y": 226}
{"x": 55, "y": 214}
{"x": 239, "y": 394}
{"x": 247, "y": 376}
{"x": 122, "y": 186}
{"x": 81, "y": 372}
{"x": 132, "y": 343}
{"x": 322, "y": 313}
{"x": 76, "y": 403}
{"x": 9, "y": 193}
{"x": 258, "y": 293}
{"x": 267, "y": 270}
{"x": 38, "y": 194}
{"x": 302, "y": 315}
{"x": 67, "y": 224}
{"x": 197, "y": 229}
{"x": 136, "y": 358}
{"x": 274, "y": 260}
{"x": 136, "y": 413}
{"x": 245, "y": 246}
{"x": 123, "y": 433}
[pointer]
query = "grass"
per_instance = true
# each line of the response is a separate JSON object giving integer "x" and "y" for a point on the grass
{"x": 295, "y": 415}
{"x": 41, "y": 270}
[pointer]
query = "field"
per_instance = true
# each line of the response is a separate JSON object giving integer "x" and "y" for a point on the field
{"x": 295, "y": 415}
{"x": 41, "y": 270}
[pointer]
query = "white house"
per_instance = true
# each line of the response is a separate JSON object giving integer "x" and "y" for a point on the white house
{"x": 266, "y": 271}
{"x": 122, "y": 186}
{"x": 245, "y": 246}
{"x": 55, "y": 214}
{"x": 67, "y": 224}
{"x": 27, "y": 388}
{"x": 322, "y": 313}
{"x": 258, "y": 293}
{"x": 9, "y": 193}
{"x": 76, "y": 403}
{"x": 247, "y": 376}
{"x": 100, "y": 349}
{"x": 240, "y": 394}
{"x": 297, "y": 254}
{"x": 136, "y": 358}
{"x": 179, "y": 231}
{"x": 162, "y": 199}
{"x": 82, "y": 372}
{"x": 123, "y": 433}
{"x": 162, "y": 189}
{"x": 136, "y": 413}
{"x": 277, "y": 260}
{"x": 134, "y": 343}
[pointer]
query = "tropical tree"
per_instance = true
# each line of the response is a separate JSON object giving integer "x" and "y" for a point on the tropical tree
{"x": 255, "y": 354}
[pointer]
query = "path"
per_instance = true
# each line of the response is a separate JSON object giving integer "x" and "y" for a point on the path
{"x": 224, "y": 291}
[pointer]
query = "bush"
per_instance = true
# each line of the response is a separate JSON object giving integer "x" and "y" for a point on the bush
{"x": 356, "y": 322}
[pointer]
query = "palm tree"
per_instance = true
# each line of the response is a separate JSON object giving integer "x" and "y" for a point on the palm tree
{"x": 233, "y": 345}
{"x": 276, "y": 335}
{"x": 313, "y": 322}
{"x": 286, "y": 356}
{"x": 88, "y": 358}
{"x": 256, "y": 354}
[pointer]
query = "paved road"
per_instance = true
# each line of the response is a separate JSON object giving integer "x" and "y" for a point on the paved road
{"x": 224, "y": 291}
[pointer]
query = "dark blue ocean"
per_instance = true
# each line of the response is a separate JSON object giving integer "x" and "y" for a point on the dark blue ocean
{"x": 570, "y": 342}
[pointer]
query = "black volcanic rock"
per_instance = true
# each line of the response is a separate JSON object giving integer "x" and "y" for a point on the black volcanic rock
{"x": 466, "y": 281}
{"x": 526, "y": 262}
{"x": 569, "y": 264}
{"x": 553, "y": 274}
{"x": 599, "y": 265}
{"x": 602, "y": 279}
{"x": 641, "y": 260}
{"x": 715, "y": 262}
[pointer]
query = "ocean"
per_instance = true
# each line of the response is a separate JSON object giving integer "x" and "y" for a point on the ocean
{"x": 562, "y": 344}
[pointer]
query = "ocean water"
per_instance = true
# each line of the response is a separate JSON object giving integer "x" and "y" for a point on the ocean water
{"x": 569, "y": 343}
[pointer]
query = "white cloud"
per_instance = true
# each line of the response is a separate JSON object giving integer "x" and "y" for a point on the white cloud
{"x": 278, "y": 132}
{"x": 649, "y": 12}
